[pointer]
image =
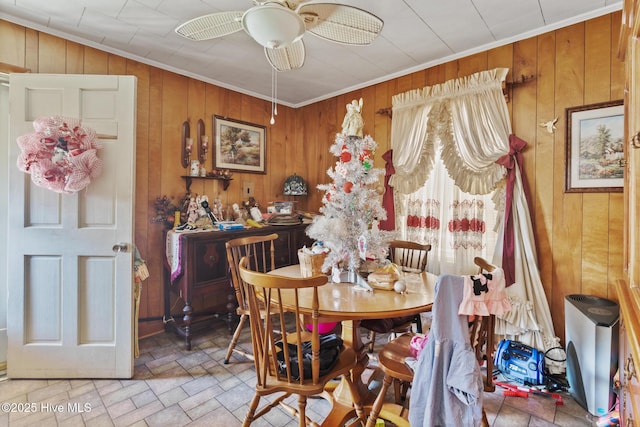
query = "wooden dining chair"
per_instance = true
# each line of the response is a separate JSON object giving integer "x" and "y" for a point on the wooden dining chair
{"x": 259, "y": 251}
{"x": 392, "y": 357}
{"x": 411, "y": 257}
{"x": 482, "y": 333}
{"x": 278, "y": 337}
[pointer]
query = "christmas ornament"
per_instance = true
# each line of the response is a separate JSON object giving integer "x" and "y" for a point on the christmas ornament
{"x": 342, "y": 170}
{"x": 399, "y": 287}
{"x": 367, "y": 164}
{"x": 362, "y": 246}
{"x": 345, "y": 155}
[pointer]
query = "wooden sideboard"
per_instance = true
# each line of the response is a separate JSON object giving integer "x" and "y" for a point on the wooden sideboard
{"x": 205, "y": 276}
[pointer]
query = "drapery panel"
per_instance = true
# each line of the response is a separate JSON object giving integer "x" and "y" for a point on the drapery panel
{"x": 466, "y": 122}
{"x": 529, "y": 320}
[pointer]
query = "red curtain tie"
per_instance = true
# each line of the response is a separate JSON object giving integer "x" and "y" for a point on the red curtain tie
{"x": 509, "y": 161}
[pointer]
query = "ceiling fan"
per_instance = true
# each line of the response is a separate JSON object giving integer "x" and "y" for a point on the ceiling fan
{"x": 280, "y": 25}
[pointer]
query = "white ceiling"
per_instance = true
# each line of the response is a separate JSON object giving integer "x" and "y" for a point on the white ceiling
{"x": 417, "y": 34}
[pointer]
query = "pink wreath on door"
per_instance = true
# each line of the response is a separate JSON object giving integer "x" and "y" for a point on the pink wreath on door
{"x": 61, "y": 155}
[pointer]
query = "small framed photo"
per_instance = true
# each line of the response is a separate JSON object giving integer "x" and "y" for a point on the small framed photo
{"x": 239, "y": 146}
{"x": 595, "y": 148}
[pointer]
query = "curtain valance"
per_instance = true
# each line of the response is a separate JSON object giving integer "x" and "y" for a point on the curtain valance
{"x": 467, "y": 117}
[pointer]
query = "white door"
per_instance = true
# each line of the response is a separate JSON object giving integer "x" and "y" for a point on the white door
{"x": 70, "y": 294}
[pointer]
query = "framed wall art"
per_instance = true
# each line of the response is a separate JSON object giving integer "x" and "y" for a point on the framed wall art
{"x": 595, "y": 148}
{"x": 239, "y": 146}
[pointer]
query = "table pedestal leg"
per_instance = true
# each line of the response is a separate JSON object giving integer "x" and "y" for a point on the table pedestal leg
{"x": 342, "y": 409}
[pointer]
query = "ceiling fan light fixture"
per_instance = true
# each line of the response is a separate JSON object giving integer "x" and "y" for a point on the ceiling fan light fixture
{"x": 273, "y": 26}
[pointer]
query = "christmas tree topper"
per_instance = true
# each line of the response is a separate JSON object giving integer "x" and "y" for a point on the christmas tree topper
{"x": 352, "y": 124}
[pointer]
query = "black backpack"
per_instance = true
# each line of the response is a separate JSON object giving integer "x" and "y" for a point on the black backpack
{"x": 330, "y": 346}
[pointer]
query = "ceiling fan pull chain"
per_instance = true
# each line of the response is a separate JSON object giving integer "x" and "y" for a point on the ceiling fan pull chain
{"x": 274, "y": 95}
{"x": 272, "y": 121}
{"x": 275, "y": 104}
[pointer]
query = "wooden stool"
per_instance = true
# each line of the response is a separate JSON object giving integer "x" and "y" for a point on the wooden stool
{"x": 391, "y": 360}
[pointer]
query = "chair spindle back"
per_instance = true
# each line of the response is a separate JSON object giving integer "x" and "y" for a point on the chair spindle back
{"x": 280, "y": 325}
{"x": 411, "y": 256}
{"x": 260, "y": 253}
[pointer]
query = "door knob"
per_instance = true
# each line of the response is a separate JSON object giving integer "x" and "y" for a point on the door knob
{"x": 120, "y": 247}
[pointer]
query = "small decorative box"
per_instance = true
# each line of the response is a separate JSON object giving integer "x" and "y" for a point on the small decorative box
{"x": 229, "y": 225}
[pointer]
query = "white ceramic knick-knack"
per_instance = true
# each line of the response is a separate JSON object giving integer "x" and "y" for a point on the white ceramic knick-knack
{"x": 195, "y": 168}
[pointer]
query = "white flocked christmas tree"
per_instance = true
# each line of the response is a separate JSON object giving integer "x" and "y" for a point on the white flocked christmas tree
{"x": 352, "y": 207}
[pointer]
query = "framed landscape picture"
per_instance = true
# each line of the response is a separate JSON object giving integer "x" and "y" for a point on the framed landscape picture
{"x": 239, "y": 146}
{"x": 595, "y": 148}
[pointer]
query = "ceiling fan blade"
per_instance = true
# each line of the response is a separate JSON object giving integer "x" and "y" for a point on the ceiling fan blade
{"x": 211, "y": 26}
{"x": 341, "y": 23}
{"x": 286, "y": 58}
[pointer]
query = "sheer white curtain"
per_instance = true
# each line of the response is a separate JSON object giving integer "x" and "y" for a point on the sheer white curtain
{"x": 467, "y": 117}
{"x": 450, "y": 142}
{"x": 459, "y": 226}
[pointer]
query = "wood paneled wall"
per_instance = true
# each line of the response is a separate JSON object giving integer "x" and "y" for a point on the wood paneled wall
{"x": 579, "y": 235}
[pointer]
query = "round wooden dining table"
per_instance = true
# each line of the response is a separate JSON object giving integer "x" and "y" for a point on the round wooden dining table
{"x": 349, "y": 304}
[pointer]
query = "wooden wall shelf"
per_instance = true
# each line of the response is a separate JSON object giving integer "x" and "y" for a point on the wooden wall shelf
{"x": 188, "y": 179}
